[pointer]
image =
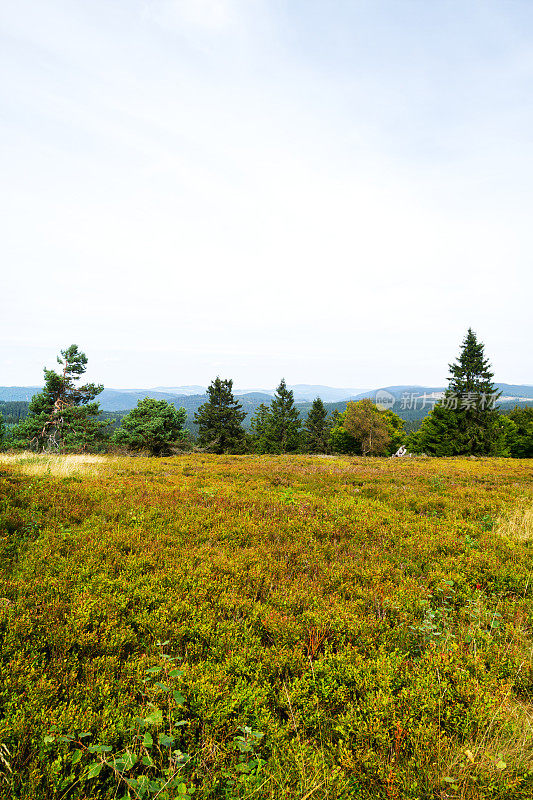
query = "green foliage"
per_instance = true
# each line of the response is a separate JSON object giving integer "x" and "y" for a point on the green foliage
{"x": 63, "y": 417}
{"x": 2, "y": 431}
{"x": 465, "y": 422}
{"x": 396, "y": 429}
{"x": 316, "y": 428}
{"x": 519, "y": 435}
{"x": 349, "y": 628}
{"x": 153, "y": 425}
{"x": 368, "y": 426}
{"x": 13, "y": 411}
{"x": 220, "y": 420}
{"x": 150, "y": 762}
{"x": 260, "y": 430}
{"x": 284, "y": 421}
{"x": 340, "y": 441}
{"x": 276, "y": 428}
{"x": 369, "y": 418}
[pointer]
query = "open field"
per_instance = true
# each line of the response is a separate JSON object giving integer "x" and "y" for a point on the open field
{"x": 266, "y": 627}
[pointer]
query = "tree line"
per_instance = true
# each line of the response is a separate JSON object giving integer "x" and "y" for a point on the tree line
{"x": 66, "y": 417}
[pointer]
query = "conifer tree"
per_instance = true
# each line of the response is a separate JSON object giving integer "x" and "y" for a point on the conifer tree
{"x": 153, "y": 425}
{"x": 316, "y": 428}
{"x": 465, "y": 421}
{"x": 2, "y": 430}
{"x": 283, "y": 421}
{"x": 63, "y": 417}
{"x": 260, "y": 429}
{"x": 220, "y": 420}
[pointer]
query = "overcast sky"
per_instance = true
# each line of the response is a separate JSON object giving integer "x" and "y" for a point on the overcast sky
{"x": 329, "y": 190}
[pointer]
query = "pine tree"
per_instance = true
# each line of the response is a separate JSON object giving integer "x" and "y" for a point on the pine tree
{"x": 220, "y": 420}
{"x": 316, "y": 428}
{"x": 283, "y": 422}
{"x": 153, "y": 425}
{"x": 465, "y": 421}
{"x": 63, "y": 417}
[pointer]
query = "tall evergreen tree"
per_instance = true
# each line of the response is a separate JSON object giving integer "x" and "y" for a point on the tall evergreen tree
{"x": 64, "y": 416}
{"x": 260, "y": 429}
{"x": 316, "y": 428}
{"x": 220, "y": 420}
{"x": 465, "y": 421}
{"x": 284, "y": 421}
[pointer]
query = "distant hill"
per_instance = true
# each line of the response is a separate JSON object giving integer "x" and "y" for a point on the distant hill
{"x": 179, "y": 390}
{"x": 11, "y": 393}
{"x": 509, "y": 391}
{"x": 301, "y": 391}
{"x": 329, "y": 394}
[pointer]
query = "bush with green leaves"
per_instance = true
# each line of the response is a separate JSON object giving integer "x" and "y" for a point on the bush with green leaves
{"x": 150, "y": 762}
{"x": 153, "y": 425}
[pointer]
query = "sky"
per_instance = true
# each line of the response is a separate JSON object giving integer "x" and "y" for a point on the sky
{"x": 332, "y": 191}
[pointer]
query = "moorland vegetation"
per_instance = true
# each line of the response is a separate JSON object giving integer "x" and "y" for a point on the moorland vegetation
{"x": 274, "y": 626}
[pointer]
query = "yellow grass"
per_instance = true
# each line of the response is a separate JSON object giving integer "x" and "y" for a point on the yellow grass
{"x": 519, "y": 526}
{"x": 508, "y": 739}
{"x": 60, "y": 465}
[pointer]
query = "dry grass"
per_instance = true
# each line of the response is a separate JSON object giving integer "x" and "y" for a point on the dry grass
{"x": 508, "y": 739}
{"x": 59, "y": 465}
{"x": 517, "y": 527}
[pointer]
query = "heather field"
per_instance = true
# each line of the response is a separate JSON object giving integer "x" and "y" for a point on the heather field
{"x": 266, "y": 627}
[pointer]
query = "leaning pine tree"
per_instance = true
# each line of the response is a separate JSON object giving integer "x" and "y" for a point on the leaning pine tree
{"x": 63, "y": 417}
{"x": 466, "y": 420}
{"x": 220, "y": 420}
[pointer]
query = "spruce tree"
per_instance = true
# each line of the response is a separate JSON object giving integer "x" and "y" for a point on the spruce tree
{"x": 63, "y": 417}
{"x": 220, "y": 420}
{"x": 465, "y": 421}
{"x": 260, "y": 430}
{"x": 316, "y": 428}
{"x": 283, "y": 422}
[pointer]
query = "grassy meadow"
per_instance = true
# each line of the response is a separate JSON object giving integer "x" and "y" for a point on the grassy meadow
{"x": 266, "y": 627}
